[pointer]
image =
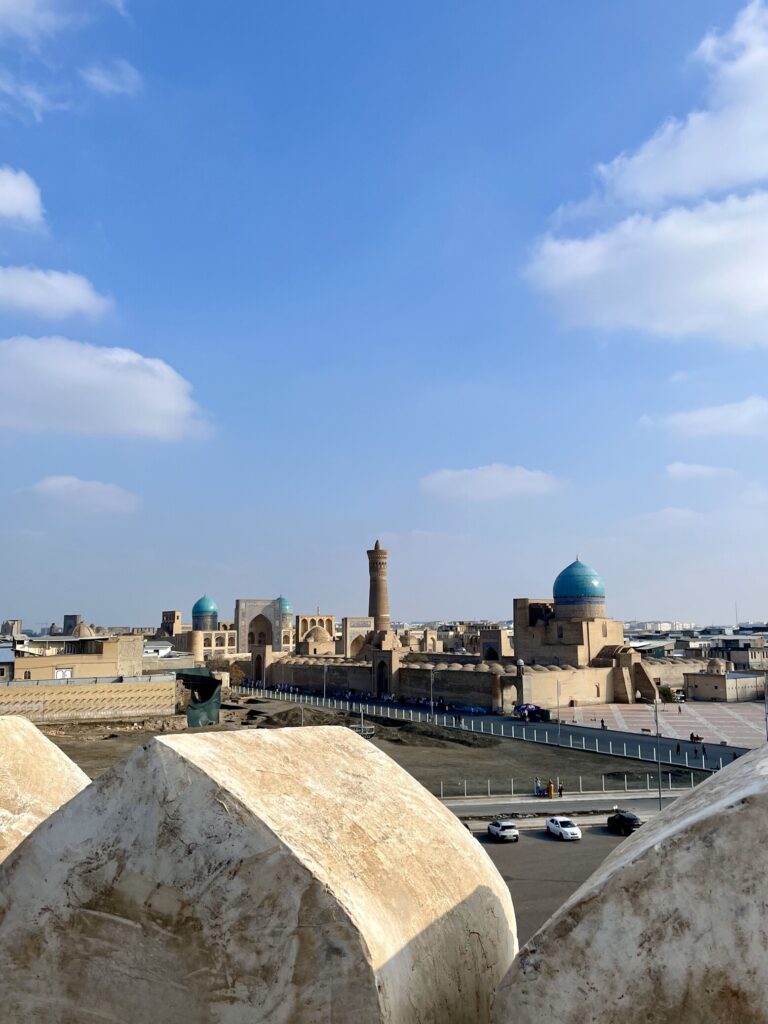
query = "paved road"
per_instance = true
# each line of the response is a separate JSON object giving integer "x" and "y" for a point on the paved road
{"x": 542, "y": 872}
{"x": 485, "y": 807}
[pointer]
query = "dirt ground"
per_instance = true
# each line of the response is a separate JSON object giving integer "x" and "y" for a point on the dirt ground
{"x": 441, "y": 759}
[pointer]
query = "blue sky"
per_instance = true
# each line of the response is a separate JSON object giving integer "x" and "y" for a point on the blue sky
{"x": 485, "y": 281}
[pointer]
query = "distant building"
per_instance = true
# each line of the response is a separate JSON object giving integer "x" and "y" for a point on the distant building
{"x": 720, "y": 682}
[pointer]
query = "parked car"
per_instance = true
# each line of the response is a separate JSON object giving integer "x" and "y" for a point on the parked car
{"x": 679, "y": 696}
{"x": 623, "y": 822}
{"x": 531, "y": 713}
{"x": 501, "y": 828}
{"x": 563, "y": 828}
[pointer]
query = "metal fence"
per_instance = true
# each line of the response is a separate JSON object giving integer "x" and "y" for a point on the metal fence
{"x": 544, "y": 733}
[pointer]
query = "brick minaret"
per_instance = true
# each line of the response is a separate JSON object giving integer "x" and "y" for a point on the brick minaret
{"x": 378, "y": 600}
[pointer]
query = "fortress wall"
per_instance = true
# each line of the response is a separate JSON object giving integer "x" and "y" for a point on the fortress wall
{"x": 284, "y": 876}
{"x": 36, "y": 778}
{"x": 672, "y": 925}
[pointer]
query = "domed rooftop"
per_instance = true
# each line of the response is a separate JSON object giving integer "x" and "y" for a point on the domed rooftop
{"x": 284, "y": 605}
{"x": 577, "y": 582}
{"x": 83, "y": 630}
{"x": 318, "y": 635}
{"x": 205, "y": 606}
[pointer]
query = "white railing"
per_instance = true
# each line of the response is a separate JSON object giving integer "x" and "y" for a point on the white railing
{"x": 544, "y": 733}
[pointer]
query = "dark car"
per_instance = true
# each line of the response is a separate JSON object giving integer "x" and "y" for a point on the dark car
{"x": 623, "y": 823}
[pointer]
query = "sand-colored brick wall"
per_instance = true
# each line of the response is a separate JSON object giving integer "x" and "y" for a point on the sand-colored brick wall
{"x": 89, "y": 701}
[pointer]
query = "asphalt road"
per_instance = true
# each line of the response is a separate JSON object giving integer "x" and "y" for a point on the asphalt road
{"x": 485, "y": 807}
{"x": 542, "y": 871}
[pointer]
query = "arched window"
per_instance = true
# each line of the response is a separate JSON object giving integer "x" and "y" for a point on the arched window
{"x": 261, "y": 639}
{"x": 207, "y": 642}
{"x": 219, "y": 640}
{"x": 250, "y": 640}
{"x": 27, "y": 675}
{"x": 231, "y": 640}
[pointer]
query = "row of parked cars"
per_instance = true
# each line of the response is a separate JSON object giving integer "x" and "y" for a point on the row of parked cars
{"x": 622, "y": 823}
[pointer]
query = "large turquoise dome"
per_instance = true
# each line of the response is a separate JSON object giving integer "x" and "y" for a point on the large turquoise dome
{"x": 205, "y": 606}
{"x": 285, "y": 606}
{"x": 578, "y": 584}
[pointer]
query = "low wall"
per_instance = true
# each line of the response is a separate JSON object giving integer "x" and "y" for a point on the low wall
{"x": 59, "y": 702}
{"x": 354, "y": 676}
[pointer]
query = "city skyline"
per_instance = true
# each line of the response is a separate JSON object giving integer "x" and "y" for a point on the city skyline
{"x": 275, "y": 282}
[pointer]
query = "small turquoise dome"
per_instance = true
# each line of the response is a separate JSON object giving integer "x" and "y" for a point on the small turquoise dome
{"x": 285, "y": 606}
{"x": 205, "y": 606}
{"x": 578, "y": 583}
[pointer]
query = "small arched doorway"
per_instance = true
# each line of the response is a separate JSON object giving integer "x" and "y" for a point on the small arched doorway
{"x": 491, "y": 654}
{"x": 382, "y": 679}
{"x": 258, "y": 668}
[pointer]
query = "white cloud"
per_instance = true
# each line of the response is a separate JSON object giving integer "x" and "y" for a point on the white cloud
{"x": 49, "y": 293}
{"x": 17, "y": 95}
{"x": 696, "y": 471}
{"x": 55, "y": 385}
{"x": 686, "y": 272}
{"x": 697, "y": 268}
{"x": 116, "y": 79}
{"x": 19, "y": 197}
{"x": 748, "y": 418}
{"x": 85, "y": 496}
{"x": 488, "y": 483}
{"x": 31, "y": 19}
{"x": 720, "y": 147}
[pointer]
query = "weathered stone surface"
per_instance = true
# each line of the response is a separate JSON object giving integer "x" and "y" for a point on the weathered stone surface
{"x": 36, "y": 778}
{"x": 253, "y": 877}
{"x": 673, "y": 927}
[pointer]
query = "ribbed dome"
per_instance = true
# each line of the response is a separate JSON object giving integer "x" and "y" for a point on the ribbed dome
{"x": 577, "y": 583}
{"x": 205, "y": 606}
{"x": 318, "y": 635}
{"x": 83, "y": 630}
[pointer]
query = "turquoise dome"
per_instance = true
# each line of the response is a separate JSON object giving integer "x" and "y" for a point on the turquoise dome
{"x": 578, "y": 583}
{"x": 285, "y": 606}
{"x": 205, "y": 606}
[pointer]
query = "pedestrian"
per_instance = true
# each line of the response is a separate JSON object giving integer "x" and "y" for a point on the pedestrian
{"x": 537, "y": 786}
{"x": 703, "y": 750}
{"x": 602, "y": 723}
{"x": 560, "y": 790}
{"x": 677, "y": 750}
{"x": 692, "y": 737}
{"x": 679, "y": 709}
{"x": 695, "y": 751}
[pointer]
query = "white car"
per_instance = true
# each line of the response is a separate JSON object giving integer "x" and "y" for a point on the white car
{"x": 503, "y": 829}
{"x": 563, "y": 828}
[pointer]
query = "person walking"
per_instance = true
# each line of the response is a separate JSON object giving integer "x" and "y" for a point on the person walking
{"x": 679, "y": 709}
{"x": 677, "y": 749}
{"x": 537, "y": 787}
{"x": 560, "y": 789}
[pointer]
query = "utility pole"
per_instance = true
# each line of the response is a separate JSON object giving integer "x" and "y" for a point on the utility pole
{"x": 431, "y": 695}
{"x": 325, "y": 677}
{"x": 658, "y": 748}
{"x": 558, "y": 712}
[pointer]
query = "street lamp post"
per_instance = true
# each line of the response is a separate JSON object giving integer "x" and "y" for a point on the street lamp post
{"x": 325, "y": 677}
{"x": 431, "y": 695}
{"x": 558, "y": 712}
{"x": 658, "y": 748}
